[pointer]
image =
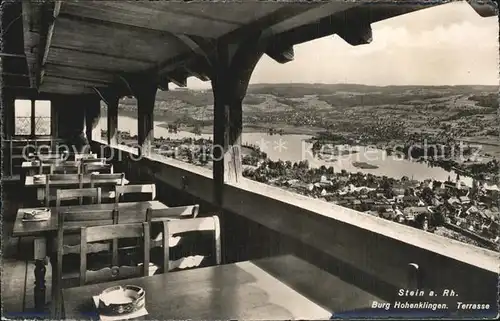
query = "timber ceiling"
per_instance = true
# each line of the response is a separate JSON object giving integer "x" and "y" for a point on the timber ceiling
{"x": 73, "y": 47}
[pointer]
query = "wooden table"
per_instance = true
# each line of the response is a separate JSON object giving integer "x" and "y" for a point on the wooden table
{"x": 252, "y": 290}
{"x": 32, "y": 168}
{"x": 40, "y": 185}
{"x": 45, "y": 231}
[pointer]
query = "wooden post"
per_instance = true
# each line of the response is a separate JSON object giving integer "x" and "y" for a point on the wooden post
{"x": 145, "y": 93}
{"x": 53, "y": 125}
{"x": 8, "y": 130}
{"x": 230, "y": 78}
{"x": 92, "y": 116}
{"x": 33, "y": 112}
{"x": 112, "y": 130}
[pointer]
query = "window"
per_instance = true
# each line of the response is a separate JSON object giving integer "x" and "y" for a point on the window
{"x": 32, "y": 119}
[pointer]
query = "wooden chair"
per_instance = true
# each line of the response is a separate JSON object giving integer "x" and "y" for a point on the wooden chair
{"x": 112, "y": 232}
{"x": 189, "y": 211}
{"x": 68, "y": 242}
{"x": 186, "y": 260}
{"x": 135, "y": 189}
{"x": 71, "y": 194}
{"x": 48, "y": 163}
{"x": 96, "y": 167}
{"x": 93, "y": 160}
{"x": 103, "y": 180}
{"x": 68, "y": 167}
{"x": 46, "y": 157}
{"x": 51, "y": 179}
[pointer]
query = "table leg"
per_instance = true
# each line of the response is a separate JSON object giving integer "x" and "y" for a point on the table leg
{"x": 40, "y": 285}
{"x": 40, "y": 269}
{"x": 40, "y": 194}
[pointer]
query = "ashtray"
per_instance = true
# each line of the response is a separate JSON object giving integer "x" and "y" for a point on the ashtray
{"x": 38, "y": 177}
{"x": 119, "y": 300}
{"x": 37, "y": 215}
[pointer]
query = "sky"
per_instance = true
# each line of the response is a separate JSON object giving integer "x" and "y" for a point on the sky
{"x": 445, "y": 45}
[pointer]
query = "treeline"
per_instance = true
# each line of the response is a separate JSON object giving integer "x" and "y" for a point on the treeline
{"x": 376, "y": 99}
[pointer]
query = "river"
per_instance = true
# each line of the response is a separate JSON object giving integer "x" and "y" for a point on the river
{"x": 295, "y": 148}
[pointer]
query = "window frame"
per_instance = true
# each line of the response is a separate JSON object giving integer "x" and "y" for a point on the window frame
{"x": 32, "y": 118}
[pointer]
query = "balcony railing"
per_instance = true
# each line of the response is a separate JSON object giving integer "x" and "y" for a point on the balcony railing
{"x": 374, "y": 254}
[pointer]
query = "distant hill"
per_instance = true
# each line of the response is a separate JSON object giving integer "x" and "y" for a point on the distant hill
{"x": 335, "y": 94}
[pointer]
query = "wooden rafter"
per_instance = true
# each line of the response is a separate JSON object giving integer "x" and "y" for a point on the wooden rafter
{"x": 265, "y": 22}
{"x": 90, "y": 52}
{"x": 356, "y": 34}
{"x": 31, "y": 12}
{"x": 45, "y": 45}
{"x": 178, "y": 77}
{"x": 281, "y": 54}
{"x": 50, "y": 32}
{"x": 11, "y": 55}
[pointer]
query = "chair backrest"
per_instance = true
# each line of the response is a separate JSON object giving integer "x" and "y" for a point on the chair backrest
{"x": 85, "y": 157}
{"x": 187, "y": 260}
{"x": 97, "y": 167}
{"x": 46, "y": 157}
{"x": 135, "y": 189}
{"x": 189, "y": 211}
{"x": 99, "y": 179}
{"x": 113, "y": 232}
{"x": 52, "y": 179}
{"x": 67, "y": 167}
{"x": 71, "y": 194}
{"x": 72, "y": 222}
{"x": 93, "y": 160}
{"x": 48, "y": 163}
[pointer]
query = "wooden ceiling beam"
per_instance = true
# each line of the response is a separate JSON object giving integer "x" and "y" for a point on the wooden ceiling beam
{"x": 50, "y": 11}
{"x": 199, "y": 15}
{"x": 178, "y": 77}
{"x": 112, "y": 24}
{"x": 97, "y": 70}
{"x": 281, "y": 55}
{"x": 77, "y": 83}
{"x": 163, "y": 83}
{"x": 11, "y": 55}
{"x": 93, "y": 60}
{"x": 77, "y": 79}
{"x": 70, "y": 71}
{"x": 265, "y": 22}
{"x": 64, "y": 89}
{"x": 152, "y": 16}
{"x": 11, "y": 74}
{"x": 203, "y": 76}
{"x": 50, "y": 31}
{"x": 84, "y": 51}
{"x": 32, "y": 16}
{"x": 355, "y": 35}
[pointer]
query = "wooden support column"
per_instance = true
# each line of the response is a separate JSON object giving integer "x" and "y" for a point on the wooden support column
{"x": 112, "y": 130}
{"x": 92, "y": 116}
{"x": 33, "y": 117}
{"x": 7, "y": 130}
{"x": 8, "y": 115}
{"x": 232, "y": 69}
{"x": 53, "y": 125}
{"x": 144, "y": 91}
